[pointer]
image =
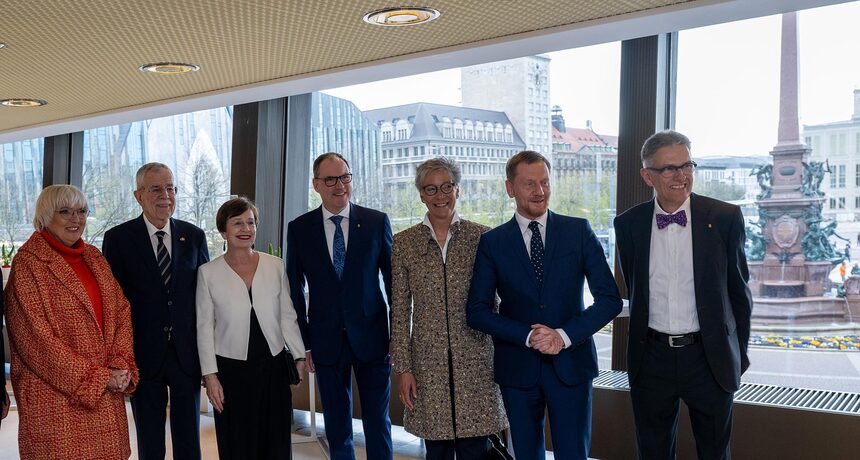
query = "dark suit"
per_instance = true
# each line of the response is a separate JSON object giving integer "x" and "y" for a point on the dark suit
{"x": 723, "y": 306}
{"x": 531, "y": 381}
{"x": 345, "y": 324}
{"x": 165, "y": 332}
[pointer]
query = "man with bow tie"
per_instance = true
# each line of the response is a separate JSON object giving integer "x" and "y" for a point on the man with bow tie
{"x": 683, "y": 262}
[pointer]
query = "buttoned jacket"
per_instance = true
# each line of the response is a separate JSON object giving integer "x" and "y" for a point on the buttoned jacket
{"x": 428, "y": 318}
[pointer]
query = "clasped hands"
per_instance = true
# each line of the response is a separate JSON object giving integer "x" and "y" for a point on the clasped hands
{"x": 545, "y": 340}
{"x": 119, "y": 380}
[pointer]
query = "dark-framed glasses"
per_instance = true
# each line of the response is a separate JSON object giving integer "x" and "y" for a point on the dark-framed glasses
{"x": 446, "y": 188}
{"x": 68, "y": 213}
{"x": 330, "y": 181}
{"x": 671, "y": 170}
{"x": 158, "y": 190}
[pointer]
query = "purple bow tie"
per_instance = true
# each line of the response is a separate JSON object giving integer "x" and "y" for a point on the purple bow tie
{"x": 663, "y": 220}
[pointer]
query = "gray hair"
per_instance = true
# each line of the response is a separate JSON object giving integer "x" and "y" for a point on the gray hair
{"x": 52, "y": 199}
{"x": 153, "y": 166}
{"x": 662, "y": 139}
{"x": 437, "y": 164}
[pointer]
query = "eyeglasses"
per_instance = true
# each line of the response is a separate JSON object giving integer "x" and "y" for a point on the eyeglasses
{"x": 330, "y": 181}
{"x": 156, "y": 190}
{"x": 67, "y": 214}
{"x": 670, "y": 170}
{"x": 446, "y": 188}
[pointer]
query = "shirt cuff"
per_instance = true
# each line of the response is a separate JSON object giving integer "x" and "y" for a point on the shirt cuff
{"x": 564, "y": 337}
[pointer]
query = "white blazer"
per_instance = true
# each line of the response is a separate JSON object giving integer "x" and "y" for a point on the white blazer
{"x": 224, "y": 311}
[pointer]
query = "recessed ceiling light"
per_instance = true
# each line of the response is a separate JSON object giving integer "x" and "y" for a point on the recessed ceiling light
{"x": 404, "y": 16}
{"x": 169, "y": 68}
{"x": 22, "y": 102}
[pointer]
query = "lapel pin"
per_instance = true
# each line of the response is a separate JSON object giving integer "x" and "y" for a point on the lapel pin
{"x": 357, "y": 225}
{"x": 182, "y": 238}
{"x": 709, "y": 225}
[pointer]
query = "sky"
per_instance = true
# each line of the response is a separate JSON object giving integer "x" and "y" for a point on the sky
{"x": 728, "y": 81}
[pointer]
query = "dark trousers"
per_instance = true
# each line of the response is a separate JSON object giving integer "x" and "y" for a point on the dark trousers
{"x": 667, "y": 376}
{"x": 149, "y": 407}
{"x": 569, "y": 408}
{"x": 476, "y": 448}
{"x": 374, "y": 390}
{"x": 255, "y": 423}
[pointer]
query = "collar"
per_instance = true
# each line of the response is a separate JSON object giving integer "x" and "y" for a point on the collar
{"x": 524, "y": 222}
{"x": 343, "y": 212}
{"x": 684, "y": 207}
{"x": 454, "y": 220}
{"x": 151, "y": 229}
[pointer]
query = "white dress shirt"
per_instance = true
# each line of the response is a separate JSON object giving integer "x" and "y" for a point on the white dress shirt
{"x": 524, "y": 222}
{"x": 444, "y": 248}
{"x": 154, "y": 239}
{"x": 672, "y": 290}
{"x": 328, "y": 226}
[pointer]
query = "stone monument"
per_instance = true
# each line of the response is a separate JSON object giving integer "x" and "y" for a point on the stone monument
{"x": 790, "y": 254}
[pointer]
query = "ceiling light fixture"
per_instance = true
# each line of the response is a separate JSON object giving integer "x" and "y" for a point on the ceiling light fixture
{"x": 22, "y": 102}
{"x": 403, "y": 16}
{"x": 169, "y": 68}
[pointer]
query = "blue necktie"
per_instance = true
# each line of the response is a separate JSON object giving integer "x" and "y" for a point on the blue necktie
{"x": 537, "y": 250}
{"x": 338, "y": 248}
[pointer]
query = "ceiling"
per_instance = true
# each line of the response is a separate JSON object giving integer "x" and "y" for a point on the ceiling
{"x": 82, "y": 56}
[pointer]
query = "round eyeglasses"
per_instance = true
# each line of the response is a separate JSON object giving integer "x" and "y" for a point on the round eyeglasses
{"x": 446, "y": 188}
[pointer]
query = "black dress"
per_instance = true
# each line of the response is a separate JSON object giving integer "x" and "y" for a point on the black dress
{"x": 255, "y": 423}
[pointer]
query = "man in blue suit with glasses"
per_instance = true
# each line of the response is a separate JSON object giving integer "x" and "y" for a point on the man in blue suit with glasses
{"x": 339, "y": 250}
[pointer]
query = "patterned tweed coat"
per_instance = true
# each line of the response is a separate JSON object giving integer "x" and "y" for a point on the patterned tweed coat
{"x": 425, "y": 291}
{"x": 61, "y": 359}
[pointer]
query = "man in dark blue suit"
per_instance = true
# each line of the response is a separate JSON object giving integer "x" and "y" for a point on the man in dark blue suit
{"x": 544, "y": 351}
{"x": 155, "y": 258}
{"x": 682, "y": 257}
{"x": 339, "y": 250}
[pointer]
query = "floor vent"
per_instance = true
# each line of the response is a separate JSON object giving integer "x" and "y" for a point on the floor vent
{"x": 837, "y": 402}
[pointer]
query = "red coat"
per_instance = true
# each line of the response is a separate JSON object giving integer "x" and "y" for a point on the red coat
{"x": 61, "y": 358}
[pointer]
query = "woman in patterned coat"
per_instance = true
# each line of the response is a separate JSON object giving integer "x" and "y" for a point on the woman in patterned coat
{"x": 70, "y": 333}
{"x": 446, "y": 368}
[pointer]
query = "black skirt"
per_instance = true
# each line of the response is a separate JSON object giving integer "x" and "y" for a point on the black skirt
{"x": 255, "y": 423}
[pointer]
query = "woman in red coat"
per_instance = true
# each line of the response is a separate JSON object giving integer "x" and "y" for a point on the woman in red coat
{"x": 70, "y": 332}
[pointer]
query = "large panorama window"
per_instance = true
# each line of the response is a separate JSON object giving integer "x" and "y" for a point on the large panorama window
{"x": 803, "y": 247}
{"x": 21, "y": 170}
{"x": 550, "y": 106}
{"x": 196, "y": 146}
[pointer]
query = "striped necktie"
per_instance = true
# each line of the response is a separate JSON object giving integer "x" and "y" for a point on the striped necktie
{"x": 163, "y": 259}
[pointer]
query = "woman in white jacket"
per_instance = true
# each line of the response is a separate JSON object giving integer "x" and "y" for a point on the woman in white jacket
{"x": 244, "y": 319}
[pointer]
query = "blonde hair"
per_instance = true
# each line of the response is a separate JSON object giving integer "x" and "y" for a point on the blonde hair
{"x": 54, "y": 197}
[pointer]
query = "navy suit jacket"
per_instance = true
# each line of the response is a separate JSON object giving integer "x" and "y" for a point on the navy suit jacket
{"x": 572, "y": 254}
{"x": 723, "y": 300}
{"x": 128, "y": 249}
{"x": 355, "y": 302}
